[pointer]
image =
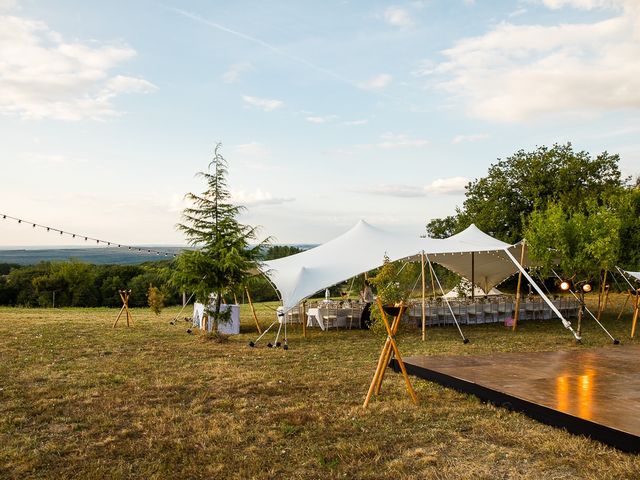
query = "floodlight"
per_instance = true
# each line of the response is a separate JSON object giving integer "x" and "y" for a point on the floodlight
{"x": 586, "y": 287}
{"x": 565, "y": 285}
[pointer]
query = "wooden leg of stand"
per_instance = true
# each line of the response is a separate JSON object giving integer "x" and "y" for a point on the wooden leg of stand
{"x": 374, "y": 381}
{"x": 118, "y": 318}
{"x": 410, "y": 389}
{"x": 394, "y": 329}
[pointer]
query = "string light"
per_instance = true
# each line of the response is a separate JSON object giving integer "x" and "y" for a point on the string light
{"x": 87, "y": 238}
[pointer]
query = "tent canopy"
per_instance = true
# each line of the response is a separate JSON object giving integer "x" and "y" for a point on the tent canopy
{"x": 363, "y": 247}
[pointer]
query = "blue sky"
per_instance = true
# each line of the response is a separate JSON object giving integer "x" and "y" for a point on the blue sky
{"x": 327, "y": 111}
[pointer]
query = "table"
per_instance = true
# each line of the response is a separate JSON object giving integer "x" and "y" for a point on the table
{"x": 314, "y": 316}
{"x": 231, "y": 328}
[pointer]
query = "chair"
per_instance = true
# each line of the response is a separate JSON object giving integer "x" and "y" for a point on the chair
{"x": 329, "y": 316}
{"x": 472, "y": 314}
{"x": 354, "y": 314}
{"x": 490, "y": 314}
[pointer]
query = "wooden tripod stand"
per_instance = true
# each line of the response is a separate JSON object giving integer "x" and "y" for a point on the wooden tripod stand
{"x": 390, "y": 347}
{"x": 124, "y": 296}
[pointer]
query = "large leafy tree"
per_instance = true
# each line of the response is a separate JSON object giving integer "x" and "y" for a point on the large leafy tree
{"x": 225, "y": 251}
{"x": 500, "y": 202}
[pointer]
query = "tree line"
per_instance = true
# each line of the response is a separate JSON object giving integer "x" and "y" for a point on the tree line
{"x": 79, "y": 284}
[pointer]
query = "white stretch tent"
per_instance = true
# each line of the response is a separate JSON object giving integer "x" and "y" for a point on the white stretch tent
{"x": 363, "y": 247}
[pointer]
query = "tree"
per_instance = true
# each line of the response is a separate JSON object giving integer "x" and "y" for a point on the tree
{"x": 155, "y": 299}
{"x": 500, "y": 202}
{"x": 226, "y": 250}
{"x": 581, "y": 244}
{"x": 393, "y": 283}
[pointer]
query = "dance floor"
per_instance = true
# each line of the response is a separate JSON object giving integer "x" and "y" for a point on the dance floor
{"x": 594, "y": 392}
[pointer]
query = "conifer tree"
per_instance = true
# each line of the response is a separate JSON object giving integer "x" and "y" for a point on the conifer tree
{"x": 225, "y": 251}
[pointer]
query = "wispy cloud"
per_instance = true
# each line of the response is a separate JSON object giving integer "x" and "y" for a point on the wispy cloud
{"x": 257, "y": 197}
{"x": 398, "y": 17}
{"x": 362, "y": 121}
{"x": 232, "y": 75}
{"x": 321, "y": 119}
{"x": 377, "y": 82}
{"x": 447, "y": 186}
{"x": 264, "y": 104}
{"x": 391, "y": 140}
{"x": 442, "y": 186}
{"x": 474, "y": 137}
{"x": 44, "y": 76}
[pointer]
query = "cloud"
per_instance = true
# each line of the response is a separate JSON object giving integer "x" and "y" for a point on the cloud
{"x": 362, "y": 121}
{"x": 233, "y": 74}
{"x": 321, "y": 119}
{"x": 441, "y": 186}
{"x": 254, "y": 150}
{"x": 377, "y": 82}
{"x": 474, "y": 137}
{"x": 447, "y": 186}
{"x": 264, "y": 104}
{"x": 521, "y": 72}
{"x": 403, "y": 191}
{"x": 391, "y": 140}
{"x": 398, "y": 17}
{"x": 44, "y": 76}
{"x": 257, "y": 197}
{"x": 585, "y": 4}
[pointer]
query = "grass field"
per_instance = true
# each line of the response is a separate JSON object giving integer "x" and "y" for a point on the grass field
{"x": 79, "y": 399}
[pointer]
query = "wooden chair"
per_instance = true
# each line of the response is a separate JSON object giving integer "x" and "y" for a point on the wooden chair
{"x": 329, "y": 316}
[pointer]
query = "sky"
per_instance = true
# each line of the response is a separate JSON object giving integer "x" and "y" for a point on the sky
{"x": 327, "y": 112}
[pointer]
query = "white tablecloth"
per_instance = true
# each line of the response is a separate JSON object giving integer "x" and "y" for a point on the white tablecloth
{"x": 231, "y": 328}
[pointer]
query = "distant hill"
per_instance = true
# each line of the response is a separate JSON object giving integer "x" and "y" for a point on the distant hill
{"x": 95, "y": 255}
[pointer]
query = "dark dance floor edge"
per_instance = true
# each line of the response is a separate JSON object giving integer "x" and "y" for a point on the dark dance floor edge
{"x": 592, "y": 392}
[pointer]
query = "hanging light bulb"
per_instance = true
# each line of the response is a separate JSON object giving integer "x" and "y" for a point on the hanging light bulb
{"x": 586, "y": 287}
{"x": 73, "y": 236}
{"x": 34, "y": 225}
{"x": 19, "y": 221}
{"x": 48, "y": 229}
{"x": 564, "y": 285}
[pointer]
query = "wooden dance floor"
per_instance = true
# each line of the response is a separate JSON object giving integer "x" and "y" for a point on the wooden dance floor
{"x": 593, "y": 392}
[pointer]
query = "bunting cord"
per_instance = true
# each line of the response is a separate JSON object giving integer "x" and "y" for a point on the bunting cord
{"x": 87, "y": 238}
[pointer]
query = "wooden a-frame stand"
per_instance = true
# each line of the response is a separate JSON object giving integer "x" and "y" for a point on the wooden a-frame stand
{"x": 124, "y": 296}
{"x": 390, "y": 347}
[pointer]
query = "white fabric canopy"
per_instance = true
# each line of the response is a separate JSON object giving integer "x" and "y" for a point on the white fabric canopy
{"x": 635, "y": 275}
{"x": 364, "y": 246}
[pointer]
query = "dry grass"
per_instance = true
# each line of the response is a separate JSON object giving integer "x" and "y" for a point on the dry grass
{"x": 79, "y": 399}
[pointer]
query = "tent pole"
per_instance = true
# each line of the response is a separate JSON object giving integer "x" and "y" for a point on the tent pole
{"x": 473, "y": 276}
{"x": 455, "y": 320}
{"x": 424, "y": 305}
{"x": 636, "y": 307}
{"x": 304, "y": 320}
{"x": 253, "y": 310}
{"x": 601, "y": 298}
{"x": 516, "y": 313}
{"x": 433, "y": 284}
{"x": 553, "y": 308}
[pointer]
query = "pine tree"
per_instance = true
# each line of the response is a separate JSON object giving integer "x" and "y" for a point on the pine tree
{"x": 225, "y": 251}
